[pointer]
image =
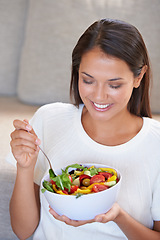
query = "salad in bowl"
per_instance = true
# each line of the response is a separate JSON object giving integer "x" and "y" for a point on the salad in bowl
{"x": 82, "y": 191}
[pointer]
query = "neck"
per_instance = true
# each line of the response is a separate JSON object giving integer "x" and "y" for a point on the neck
{"x": 114, "y": 131}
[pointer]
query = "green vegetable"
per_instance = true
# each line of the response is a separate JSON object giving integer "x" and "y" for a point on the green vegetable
{"x": 110, "y": 184}
{"x": 43, "y": 190}
{"x": 79, "y": 195}
{"x": 94, "y": 171}
{"x": 74, "y": 166}
{"x": 51, "y": 173}
{"x": 62, "y": 181}
{"x": 47, "y": 185}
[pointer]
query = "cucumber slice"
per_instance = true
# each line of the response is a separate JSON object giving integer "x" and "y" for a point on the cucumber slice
{"x": 110, "y": 184}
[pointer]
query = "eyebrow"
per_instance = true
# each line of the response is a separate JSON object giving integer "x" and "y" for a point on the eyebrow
{"x": 112, "y": 79}
{"x": 87, "y": 74}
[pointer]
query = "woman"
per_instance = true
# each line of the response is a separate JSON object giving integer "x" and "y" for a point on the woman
{"x": 109, "y": 123}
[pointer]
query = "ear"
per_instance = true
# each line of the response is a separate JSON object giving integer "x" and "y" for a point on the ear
{"x": 137, "y": 80}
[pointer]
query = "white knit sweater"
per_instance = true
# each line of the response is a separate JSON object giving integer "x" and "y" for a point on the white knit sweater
{"x": 64, "y": 140}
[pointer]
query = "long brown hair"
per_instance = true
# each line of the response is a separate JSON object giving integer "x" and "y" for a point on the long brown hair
{"x": 121, "y": 40}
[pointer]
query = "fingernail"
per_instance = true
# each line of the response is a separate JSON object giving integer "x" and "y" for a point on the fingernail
{"x": 28, "y": 127}
{"x": 38, "y": 141}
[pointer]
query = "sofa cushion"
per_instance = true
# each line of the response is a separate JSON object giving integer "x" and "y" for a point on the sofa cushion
{"x": 53, "y": 27}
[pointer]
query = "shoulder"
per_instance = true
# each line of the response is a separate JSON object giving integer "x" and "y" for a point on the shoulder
{"x": 152, "y": 127}
{"x": 56, "y": 108}
{"x": 153, "y": 124}
{"x": 58, "y": 113}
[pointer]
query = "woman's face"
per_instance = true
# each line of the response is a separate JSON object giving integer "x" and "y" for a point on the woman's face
{"x": 105, "y": 84}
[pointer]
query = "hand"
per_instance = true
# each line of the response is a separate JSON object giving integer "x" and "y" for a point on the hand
{"x": 68, "y": 221}
{"x": 111, "y": 215}
{"x": 24, "y": 144}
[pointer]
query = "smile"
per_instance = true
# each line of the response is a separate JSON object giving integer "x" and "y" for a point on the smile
{"x": 101, "y": 106}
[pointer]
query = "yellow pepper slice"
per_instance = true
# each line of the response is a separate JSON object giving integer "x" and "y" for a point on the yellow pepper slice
{"x": 91, "y": 167}
{"x": 85, "y": 191}
{"x": 78, "y": 173}
{"x": 54, "y": 188}
{"x": 60, "y": 192}
{"x": 113, "y": 178}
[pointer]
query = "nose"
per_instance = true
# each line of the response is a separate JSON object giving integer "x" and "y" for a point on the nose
{"x": 100, "y": 93}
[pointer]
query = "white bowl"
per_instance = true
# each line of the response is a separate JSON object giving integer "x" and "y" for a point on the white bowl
{"x": 88, "y": 205}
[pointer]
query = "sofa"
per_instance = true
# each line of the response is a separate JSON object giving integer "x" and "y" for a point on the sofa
{"x": 36, "y": 42}
{"x": 37, "y": 38}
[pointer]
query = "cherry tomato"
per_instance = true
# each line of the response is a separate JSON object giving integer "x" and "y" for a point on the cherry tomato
{"x": 52, "y": 182}
{"x": 64, "y": 191}
{"x": 97, "y": 179}
{"x": 73, "y": 189}
{"x": 106, "y": 174}
{"x": 99, "y": 188}
{"x": 86, "y": 182}
{"x": 70, "y": 178}
{"x": 81, "y": 177}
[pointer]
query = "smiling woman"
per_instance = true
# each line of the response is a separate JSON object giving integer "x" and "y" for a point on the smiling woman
{"x": 109, "y": 123}
{"x": 106, "y": 84}
{"x": 123, "y": 42}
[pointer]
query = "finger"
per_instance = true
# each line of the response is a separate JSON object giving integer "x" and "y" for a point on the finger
{"x": 53, "y": 213}
{"x": 76, "y": 223}
{"x": 22, "y": 134}
{"x": 69, "y": 221}
{"x": 22, "y": 142}
{"x": 57, "y": 216}
{"x": 110, "y": 215}
{"x": 100, "y": 218}
{"x": 28, "y": 126}
{"x": 19, "y": 150}
{"x": 18, "y": 124}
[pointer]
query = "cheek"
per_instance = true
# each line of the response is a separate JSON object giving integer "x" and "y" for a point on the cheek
{"x": 84, "y": 90}
{"x": 122, "y": 95}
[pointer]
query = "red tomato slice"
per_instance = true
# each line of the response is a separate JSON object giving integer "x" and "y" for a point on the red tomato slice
{"x": 64, "y": 191}
{"x": 73, "y": 189}
{"x": 52, "y": 182}
{"x": 106, "y": 174}
{"x": 70, "y": 178}
{"x": 81, "y": 177}
{"x": 97, "y": 178}
{"x": 99, "y": 188}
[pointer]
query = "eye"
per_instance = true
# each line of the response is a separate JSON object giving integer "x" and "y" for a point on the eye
{"x": 87, "y": 81}
{"x": 115, "y": 86}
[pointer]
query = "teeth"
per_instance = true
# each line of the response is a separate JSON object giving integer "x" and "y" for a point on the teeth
{"x": 101, "y": 106}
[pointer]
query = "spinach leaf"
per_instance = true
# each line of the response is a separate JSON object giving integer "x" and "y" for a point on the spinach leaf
{"x": 51, "y": 173}
{"x": 43, "y": 190}
{"x": 94, "y": 171}
{"x": 79, "y": 195}
{"x": 74, "y": 166}
{"x": 62, "y": 181}
{"x": 47, "y": 185}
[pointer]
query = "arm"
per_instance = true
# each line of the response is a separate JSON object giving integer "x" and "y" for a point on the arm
{"x": 24, "y": 204}
{"x": 130, "y": 227}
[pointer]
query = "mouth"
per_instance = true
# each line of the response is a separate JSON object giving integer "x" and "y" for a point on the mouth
{"x": 101, "y": 107}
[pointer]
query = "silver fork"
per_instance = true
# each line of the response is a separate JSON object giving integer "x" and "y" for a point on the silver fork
{"x": 47, "y": 159}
